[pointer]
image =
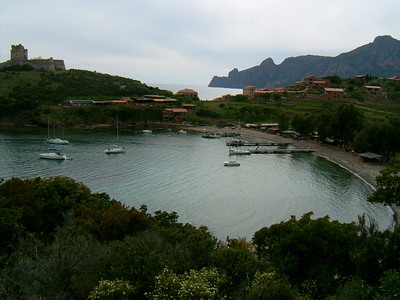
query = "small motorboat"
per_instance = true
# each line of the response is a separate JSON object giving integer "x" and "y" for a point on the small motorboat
{"x": 231, "y": 163}
{"x": 182, "y": 131}
{"x": 115, "y": 149}
{"x": 147, "y": 131}
{"x": 211, "y": 135}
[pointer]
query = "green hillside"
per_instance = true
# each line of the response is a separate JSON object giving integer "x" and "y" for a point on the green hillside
{"x": 30, "y": 96}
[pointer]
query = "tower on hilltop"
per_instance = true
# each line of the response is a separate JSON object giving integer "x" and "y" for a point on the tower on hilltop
{"x": 19, "y": 57}
{"x": 18, "y": 52}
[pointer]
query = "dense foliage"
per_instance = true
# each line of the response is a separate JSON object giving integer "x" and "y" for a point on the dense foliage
{"x": 61, "y": 241}
{"x": 50, "y": 87}
{"x": 26, "y": 96}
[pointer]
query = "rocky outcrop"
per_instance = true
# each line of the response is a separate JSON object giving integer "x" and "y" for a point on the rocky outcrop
{"x": 379, "y": 58}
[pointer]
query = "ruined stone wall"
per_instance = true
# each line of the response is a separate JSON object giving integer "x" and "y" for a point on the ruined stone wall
{"x": 39, "y": 64}
{"x": 19, "y": 57}
{"x": 59, "y": 64}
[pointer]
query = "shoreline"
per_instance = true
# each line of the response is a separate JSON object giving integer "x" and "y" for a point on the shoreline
{"x": 367, "y": 172}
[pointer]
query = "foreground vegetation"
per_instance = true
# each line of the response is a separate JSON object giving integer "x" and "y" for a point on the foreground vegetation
{"x": 59, "y": 240}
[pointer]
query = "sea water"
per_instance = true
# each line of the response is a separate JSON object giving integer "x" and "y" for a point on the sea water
{"x": 185, "y": 173}
{"x": 204, "y": 92}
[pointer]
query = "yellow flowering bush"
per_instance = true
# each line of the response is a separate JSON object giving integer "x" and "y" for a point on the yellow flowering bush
{"x": 201, "y": 284}
{"x": 116, "y": 289}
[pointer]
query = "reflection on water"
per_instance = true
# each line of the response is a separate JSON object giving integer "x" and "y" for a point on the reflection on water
{"x": 185, "y": 173}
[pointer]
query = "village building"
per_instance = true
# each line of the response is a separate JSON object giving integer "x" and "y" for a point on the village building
{"x": 310, "y": 78}
{"x": 334, "y": 93}
{"x": 188, "y": 93}
{"x": 78, "y": 102}
{"x": 371, "y": 157}
{"x": 263, "y": 93}
{"x": 279, "y": 90}
{"x": 267, "y": 126}
{"x": 360, "y": 77}
{"x": 174, "y": 114}
{"x": 374, "y": 91}
{"x": 191, "y": 108}
{"x": 249, "y": 90}
{"x": 321, "y": 83}
{"x": 155, "y": 100}
{"x": 394, "y": 78}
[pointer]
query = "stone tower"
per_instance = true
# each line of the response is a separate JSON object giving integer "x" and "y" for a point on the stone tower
{"x": 18, "y": 52}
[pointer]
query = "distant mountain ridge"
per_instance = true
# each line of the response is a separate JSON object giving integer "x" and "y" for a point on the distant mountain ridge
{"x": 380, "y": 58}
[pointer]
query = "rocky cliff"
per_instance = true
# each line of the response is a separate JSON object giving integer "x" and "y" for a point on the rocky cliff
{"x": 379, "y": 58}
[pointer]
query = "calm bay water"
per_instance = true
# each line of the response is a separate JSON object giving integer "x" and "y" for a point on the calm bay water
{"x": 185, "y": 173}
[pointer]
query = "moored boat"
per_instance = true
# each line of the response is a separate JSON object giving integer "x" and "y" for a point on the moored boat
{"x": 231, "y": 163}
{"x": 211, "y": 135}
{"x": 58, "y": 141}
{"x": 115, "y": 149}
{"x": 54, "y": 155}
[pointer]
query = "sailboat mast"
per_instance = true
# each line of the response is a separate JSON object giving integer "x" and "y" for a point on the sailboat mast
{"x": 117, "y": 130}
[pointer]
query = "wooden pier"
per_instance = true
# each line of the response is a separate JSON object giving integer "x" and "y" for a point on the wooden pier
{"x": 280, "y": 151}
{"x": 239, "y": 143}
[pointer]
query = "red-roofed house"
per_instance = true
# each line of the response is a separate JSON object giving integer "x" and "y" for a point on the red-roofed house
{"x": 374, "y": 91}
{"x": 174, "y": 114}
{"x": 188, "y": 93}
{"x": 249, "y": 90}
{"x": 334, "y": 93}
{"x": 191, "y": 108}
{"x": 310, "y": 78}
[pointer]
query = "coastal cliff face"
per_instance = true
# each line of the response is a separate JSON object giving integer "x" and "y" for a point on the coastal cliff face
{"x": 379, "y": 58}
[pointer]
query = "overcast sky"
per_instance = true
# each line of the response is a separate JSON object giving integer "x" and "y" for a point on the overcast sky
{"x": 189, "y": 41}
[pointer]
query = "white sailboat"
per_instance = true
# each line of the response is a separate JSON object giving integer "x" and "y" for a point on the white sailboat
{"x": 53, "y": 154}
{"x": 114, "y": 149}
{"x": 57, "y": 141}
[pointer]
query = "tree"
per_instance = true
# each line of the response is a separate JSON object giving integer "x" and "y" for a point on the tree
{"x": 283, "y": 121}
{"x": 239, "y": 262}
{"x": 380, "y": 137}
{"x": 348, "y": 121}
{"x": 271, "y": 286}
{"x": 304, "y": 124}
{"x": 388, "y": 186}
{"x": 305, "y": 249}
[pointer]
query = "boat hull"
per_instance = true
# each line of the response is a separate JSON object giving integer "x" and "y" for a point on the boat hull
{"x": 115, "y": 150}
{"x": 53, "y": 156}
{"x": 231, "y": 163}
{"x": 58, "y": 141}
